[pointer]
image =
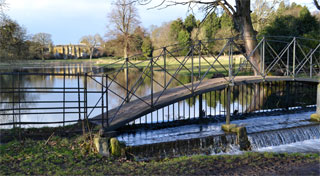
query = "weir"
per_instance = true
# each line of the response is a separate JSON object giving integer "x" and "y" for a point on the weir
{"x": 284, "y": 136}
{"x": 225, "y": 143}
{"x": 208, "y": 139}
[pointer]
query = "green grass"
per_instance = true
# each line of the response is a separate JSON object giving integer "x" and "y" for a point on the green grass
{"x": 63, "y": 156}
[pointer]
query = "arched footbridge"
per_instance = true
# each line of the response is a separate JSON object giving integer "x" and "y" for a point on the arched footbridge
{"x": 172, "y": 77}
{"x": 215, "y": 79}
{"x": 135, "y": 109}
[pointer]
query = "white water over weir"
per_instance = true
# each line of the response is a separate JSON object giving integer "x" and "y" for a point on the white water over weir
{"x": 285, "y": 136}
{"x": 280, "y": 133}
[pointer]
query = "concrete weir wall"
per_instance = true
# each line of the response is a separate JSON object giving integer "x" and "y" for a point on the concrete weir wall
{"x": 206, "y": 145}
{"x": 316, "y": 117}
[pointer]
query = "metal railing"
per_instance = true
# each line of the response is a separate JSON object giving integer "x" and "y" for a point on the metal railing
{"x": 293, "y": 67}
{"x": 196, "y": 61}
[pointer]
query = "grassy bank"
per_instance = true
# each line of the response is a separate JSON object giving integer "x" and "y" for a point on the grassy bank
{"x": 48, "y": 63}
{"x": 104, "y": 61}
{"x": 75, "y": 156}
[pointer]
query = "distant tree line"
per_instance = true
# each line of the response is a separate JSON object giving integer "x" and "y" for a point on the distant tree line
{"x": 286, "y": 20}
{"x": 126, "y": 37}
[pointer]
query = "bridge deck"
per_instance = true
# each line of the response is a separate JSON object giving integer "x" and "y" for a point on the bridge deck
{"x": 137, "y": 108}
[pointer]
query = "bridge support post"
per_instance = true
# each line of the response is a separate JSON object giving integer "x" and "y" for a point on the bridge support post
{"x": 165, "y": 66}
{"x": 228, "y": 105}
{"x": 316, "y": 116}
{"x": 228, "y": 127}
{"x": 201, "y": 112}
{"x": 126, "y": 72}
{"x": 263, "y": 57}
{"x": 107, "y": 100}
{"x": 294, "y": 58}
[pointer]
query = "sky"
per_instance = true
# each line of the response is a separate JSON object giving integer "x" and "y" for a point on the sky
{"x": 68, "y": 20}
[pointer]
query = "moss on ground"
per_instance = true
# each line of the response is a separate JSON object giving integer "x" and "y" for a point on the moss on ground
{"x": 76, "y": 156}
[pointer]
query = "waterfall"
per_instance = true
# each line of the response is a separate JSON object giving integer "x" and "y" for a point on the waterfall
{"x": 206, "y": 145}
{"x": 284, "y": 136}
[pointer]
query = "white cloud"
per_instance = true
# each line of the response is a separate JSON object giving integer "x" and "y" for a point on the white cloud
{"x": 69, "y": 20}
{"x": 66, "y": 20}
{"x": 57, "y": 8}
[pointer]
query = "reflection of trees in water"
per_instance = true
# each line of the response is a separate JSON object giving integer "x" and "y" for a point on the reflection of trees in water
{"x": 251, "y": 97}
{"x": 143, "y": 86}
{"x": 267, "y": 95}
{"x": 11, "y": 95}
{"x": 290, "y": 94}
{"x": 21, "y": 81}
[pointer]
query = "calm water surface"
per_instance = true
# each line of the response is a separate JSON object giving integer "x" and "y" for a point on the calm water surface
{"x": 214, "y": 103}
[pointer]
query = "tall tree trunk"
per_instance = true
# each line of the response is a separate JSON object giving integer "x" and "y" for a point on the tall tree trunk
{"x": 125, "y": 47}
{"x": 91, "y": 53}
{"x": 125, "y": 55}
{"x": 42, "y": 53}
{"x": 243, "y": 23}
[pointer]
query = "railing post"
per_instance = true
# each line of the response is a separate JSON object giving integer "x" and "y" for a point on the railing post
{"x": 127, "y": 81}
{"x": 102, "y": 102}
{"x": 318, "y": 99}
{"x": 228, "y": 104}
{"x": 86, "y": 96}
{"x": 200, "y": 59}
{"x": 64, "y": 96}
{"x": 230, "y": 61}
{"x": 13, "y": 101}
{"x": 201, "y": 114}
{"x": 19, "y": 97}
{"x": 294, "y": 57}
{"x": 107, "y": 100}
{"x": 151, "y": 81}
{"x": 79, "y": 100}
{"x": 311, "y": 66}
{"x": 165, "y": 66}
{"x": 288, "y": 60}
{"x": 230, "y": 83}
{"x": 192, "y": 71}
{"x": 263, "y": 56}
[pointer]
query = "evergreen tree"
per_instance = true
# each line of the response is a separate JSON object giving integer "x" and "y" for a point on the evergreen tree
{"x": 184, "y": 41}
{"x": 190, "y": 23}
{"x": 211, "y": 25}
{"x": 146, "y": 47}
{"x": 175, "y": 27}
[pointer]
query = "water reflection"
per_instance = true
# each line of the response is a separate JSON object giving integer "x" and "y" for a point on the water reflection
{"x": 244, "y": 98}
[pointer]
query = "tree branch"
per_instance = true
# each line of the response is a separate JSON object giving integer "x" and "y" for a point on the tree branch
{"x": 229, "y": 6}
{"x": 225, "y": 8}
{"x": 316, "y": 3}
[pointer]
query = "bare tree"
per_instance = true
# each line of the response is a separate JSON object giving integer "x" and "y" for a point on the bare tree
{"x": 263, "y": 11}
{"x": 124, "y": 19}
{"x": 240, "y": 14}
{"x": 91, "y": 42}
{"x": 43, "y": 40}
{"x": 3, "y": 5}
{"x": 317, "y": 4}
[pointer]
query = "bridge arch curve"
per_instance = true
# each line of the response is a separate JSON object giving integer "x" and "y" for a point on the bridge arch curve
{"x": 294, "y": 59}
{"x": 136, "y": 109}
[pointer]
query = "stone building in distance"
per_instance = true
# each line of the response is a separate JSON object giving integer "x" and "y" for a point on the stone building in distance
{"x": 70, "y": 51}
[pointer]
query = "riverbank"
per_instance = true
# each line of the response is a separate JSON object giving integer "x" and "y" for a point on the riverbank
{"x": 48, "y": 63}
{"x": 75, "y": 156}
{"x": 117, "y": 62}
